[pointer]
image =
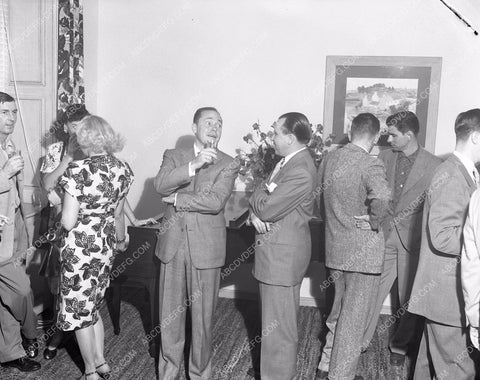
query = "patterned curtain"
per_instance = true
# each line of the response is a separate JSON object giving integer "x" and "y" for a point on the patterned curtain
{"x": 70, "y": 53}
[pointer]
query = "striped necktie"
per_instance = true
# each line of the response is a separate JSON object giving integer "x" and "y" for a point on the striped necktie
{"x": 277, "y": 169}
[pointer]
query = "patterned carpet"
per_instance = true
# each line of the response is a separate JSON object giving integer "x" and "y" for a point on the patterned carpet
{"x": 236, "y": 323}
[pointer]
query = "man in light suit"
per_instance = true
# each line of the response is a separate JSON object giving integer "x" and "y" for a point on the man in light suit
{"x": 409, "y": 170}
{"x": 16, "y": 299}
{"x": 196, "y": 184}
{"x": 281, "y": 209}
{"x": 355, "y": 197}
{"x": 437, "y": 290}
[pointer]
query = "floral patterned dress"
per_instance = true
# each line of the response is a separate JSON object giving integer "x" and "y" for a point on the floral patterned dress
{"x": 98, "y": 183}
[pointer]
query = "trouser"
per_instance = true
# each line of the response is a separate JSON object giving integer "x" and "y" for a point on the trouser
{"x": 279, "y": 336}
{"x": 400, "y": 266}
{"x": 16, "y": 310}
{"x": 444, "y": 353}
{"x": 182, "y": 286}
{"x": 354, "y": 295}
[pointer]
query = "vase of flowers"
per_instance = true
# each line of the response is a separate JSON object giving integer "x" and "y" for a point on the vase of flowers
{"x": 258, "y": 161}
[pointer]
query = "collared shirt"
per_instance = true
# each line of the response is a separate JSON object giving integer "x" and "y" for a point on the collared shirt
{"x": 403, "y": 168}
{"x": 469, "y": 165}
{"x": 288, "y": 157}
{"x": 470, "y": 262}
{"x": 8, "y": 151}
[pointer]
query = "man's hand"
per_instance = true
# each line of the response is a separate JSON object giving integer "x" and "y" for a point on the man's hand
{"x": 170, "y": 199}
{"x": 261, "y": 227}
{"x": 474, "y": 336}
{"x": 363, "y": 222}
{"x": 206, "y": 157}
{"x": 13, "y": 165}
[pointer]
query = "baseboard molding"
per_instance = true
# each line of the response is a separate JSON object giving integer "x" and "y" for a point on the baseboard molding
{"x": 231, "y": 293}
{"x": 304, "y": 301}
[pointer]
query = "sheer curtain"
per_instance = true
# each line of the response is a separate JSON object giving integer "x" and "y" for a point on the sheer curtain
{"x": 4, "y": 61}
{"x": 70, "y": 53}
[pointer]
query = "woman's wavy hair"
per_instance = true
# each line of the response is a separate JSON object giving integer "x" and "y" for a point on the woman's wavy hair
{"x": 95, "y": 135}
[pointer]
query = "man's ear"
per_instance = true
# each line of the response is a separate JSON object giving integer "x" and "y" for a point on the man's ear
{"x": 194, "y": 128}
{"x": 475, "y": 137}
{"x": 377, "y": 137}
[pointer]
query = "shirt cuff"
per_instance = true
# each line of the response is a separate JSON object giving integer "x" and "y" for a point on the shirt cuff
{"x": 191, "y": 171}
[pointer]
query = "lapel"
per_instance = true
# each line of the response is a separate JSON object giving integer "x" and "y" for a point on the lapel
{"x": 208, "y": 173}
{"x": 390, "y": 164}
{"x": 290, "y": 165}
{"x": 187, "y": 156}
{"x": 417, "y": 171}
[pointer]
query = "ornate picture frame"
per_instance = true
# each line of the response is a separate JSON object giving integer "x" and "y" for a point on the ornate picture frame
{"x": 381, "y": 85}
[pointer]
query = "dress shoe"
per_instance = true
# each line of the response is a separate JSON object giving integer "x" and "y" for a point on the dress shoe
{"x": 23, "y": 364}
{"x": 31, "y": 347}
{"x": 104, "y": 373}
{"x": 49, "y": 354}
{"x": 86, "y": 375}
{"x": 321, "y": 375}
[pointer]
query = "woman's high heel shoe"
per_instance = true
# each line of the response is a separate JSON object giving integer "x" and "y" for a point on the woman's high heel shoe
{"x": 85, "y": 375}
{"x": 104, "y": 375}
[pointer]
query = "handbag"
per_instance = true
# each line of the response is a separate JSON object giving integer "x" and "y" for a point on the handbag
{"x": 51, "y": 234}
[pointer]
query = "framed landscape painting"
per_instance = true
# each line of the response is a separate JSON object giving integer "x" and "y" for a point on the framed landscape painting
{"x": 381, "y": 86}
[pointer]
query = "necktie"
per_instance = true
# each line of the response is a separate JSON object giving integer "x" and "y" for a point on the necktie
{"x": 276, "y": 169}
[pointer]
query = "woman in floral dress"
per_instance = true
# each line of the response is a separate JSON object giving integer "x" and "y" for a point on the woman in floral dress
{"x": 95, "y": 191}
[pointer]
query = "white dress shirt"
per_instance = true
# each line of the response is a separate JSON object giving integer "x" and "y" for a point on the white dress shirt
{"x": 470, "y": 264}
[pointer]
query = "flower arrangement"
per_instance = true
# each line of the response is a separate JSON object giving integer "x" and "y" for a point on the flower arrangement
{"x": 259, "y": 162}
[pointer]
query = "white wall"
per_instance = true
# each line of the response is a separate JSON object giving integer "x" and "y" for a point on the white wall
{"x": 149, "y": 65}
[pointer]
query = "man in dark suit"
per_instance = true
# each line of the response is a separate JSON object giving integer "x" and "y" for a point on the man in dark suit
{"x": 409, "y": 170}
{"x": 281, "y": 209}
{"x": 437, "y": 290}
{"x": 196, "y": 184}
{"x": 355, "y": 198}
{"x": 17, "y": 316}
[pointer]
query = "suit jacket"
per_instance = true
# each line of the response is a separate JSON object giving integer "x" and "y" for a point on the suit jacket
{"x": 283, "y": 254}
{"x": 198, "y": 215}
{"x": 8, "y": 188}
{"x": 437, "y": 289}
{"x": 406, "y": 219}
{"x": 353, "y": 183}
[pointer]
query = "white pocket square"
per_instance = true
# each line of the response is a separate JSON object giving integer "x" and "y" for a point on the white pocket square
{"x": 271, "y": 186}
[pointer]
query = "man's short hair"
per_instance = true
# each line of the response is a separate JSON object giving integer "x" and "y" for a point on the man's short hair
{"x": 466, "y": 123}
{"x": 365, "y": 124}
{"x": 297, "y": 124}
{"x": 5, "y": 98}
{"x": 198, "y": 113}
{"x": 404, "y": 121}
